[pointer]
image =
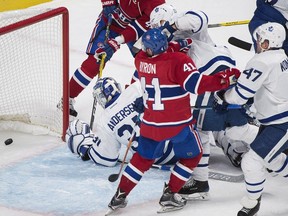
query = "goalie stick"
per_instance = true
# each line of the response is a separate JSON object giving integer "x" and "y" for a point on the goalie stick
{"x": 240, "y": 44}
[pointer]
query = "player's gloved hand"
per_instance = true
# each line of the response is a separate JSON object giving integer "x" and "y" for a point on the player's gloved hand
{"x": 108, "y": 6}
{"x": 110, "y": 47}
{"x": 185, "y": 44}
{"x": 168, "y": 30}
{"x": 138, "y": 105}
{"x": 228, "y": 77}
{"x": 219, "y": 104}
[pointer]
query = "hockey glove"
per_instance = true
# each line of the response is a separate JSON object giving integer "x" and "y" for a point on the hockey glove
{"x": 219, "y": 104}
{"x": 138, "y": 105}
{"x": 110, "y": 47}
{"x": 108, "y": 6}
{"x": 168, "y": 30}
{"x": 185, "y": 44}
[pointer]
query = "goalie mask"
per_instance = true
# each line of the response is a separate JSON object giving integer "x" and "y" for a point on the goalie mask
{"x": 105, "y": 90}
{"x": 273, "y": 33}
{"x": 163, "y": 12}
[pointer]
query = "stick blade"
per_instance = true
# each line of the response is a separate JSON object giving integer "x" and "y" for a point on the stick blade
{"x": 113, "y": 177}
{"x": 240, "y": 43}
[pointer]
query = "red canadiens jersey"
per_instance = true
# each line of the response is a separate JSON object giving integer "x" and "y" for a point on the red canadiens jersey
{"x": 131, "y": 17}
{"x": 167, "y": 102}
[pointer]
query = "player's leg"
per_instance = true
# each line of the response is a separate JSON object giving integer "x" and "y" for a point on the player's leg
{"x": 187, "y": 147}
{"x": 266, "y": 152}
{"x": 90, "y": 66}
{"x": 197, "y": 186}
{"x": 140, "y": 162}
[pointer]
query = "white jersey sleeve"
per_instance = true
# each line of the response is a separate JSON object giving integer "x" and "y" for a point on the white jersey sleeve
{"x": 282, "y": 7}
{"x": 265, "y": 78}
{"x": 205, "y": 53}
{"x": 115, "y": 126}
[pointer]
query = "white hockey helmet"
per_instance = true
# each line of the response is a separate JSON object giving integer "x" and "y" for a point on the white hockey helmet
{"x": 273, "y": 32}
{"x": 162, "y": 12}
{"x": 105, "y": 90}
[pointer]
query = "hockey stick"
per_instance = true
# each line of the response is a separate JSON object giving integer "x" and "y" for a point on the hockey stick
{"x": 102, "y": 62}
{"x": 241, "y": 44}
{"x": 137, "y": 45}
{"x": 230, "y": 106}
{"x": 239, "y": 22}
{"x": 114, "y": 177}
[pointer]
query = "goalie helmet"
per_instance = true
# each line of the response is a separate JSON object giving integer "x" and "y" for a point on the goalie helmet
{"x": 77, "y": 135}
{"x": 272, "y": 32}
{"x": 162, "y": 12}
{"x": 154, "y": 40}
{"x": 105, "y": 90}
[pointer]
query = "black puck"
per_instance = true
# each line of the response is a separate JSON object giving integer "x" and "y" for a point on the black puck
{"x": 8, "y": 141}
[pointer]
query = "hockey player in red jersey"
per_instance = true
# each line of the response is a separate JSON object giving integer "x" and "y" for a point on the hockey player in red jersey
{"x": 166, "y": 79}
{"x": 128, "y": 24}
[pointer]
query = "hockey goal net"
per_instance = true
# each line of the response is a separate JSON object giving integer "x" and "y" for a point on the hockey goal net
{"x": 34, "y": 64}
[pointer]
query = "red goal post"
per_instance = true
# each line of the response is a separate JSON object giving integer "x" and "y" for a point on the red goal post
{"x": 34, "y": 70}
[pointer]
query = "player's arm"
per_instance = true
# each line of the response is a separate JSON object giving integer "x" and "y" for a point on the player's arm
{"x": 194, "y": 21}
{"x": 197, "y": 83}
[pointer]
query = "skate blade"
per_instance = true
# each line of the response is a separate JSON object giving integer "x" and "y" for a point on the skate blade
{"x": 109, "y": 212}
{"x": 196, "y": 196}
{"x": 165, "y": 209}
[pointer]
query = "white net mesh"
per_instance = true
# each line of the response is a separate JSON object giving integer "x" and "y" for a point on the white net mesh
{"x": 31, "y": 70}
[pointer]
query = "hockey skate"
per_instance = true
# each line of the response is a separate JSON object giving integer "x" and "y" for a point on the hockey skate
{"x": 195, "y": 190}
{"x": 170, "y": 201}
{"x": 72, "y": 111}
{"x": 250, "y": 211}
{"x": 118, "y": 201}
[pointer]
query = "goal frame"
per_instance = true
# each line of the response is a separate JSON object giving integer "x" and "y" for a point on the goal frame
{"x": 65, "y": 46}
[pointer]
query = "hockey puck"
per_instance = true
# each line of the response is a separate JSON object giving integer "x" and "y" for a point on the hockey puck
{"x": 8, "y": 141}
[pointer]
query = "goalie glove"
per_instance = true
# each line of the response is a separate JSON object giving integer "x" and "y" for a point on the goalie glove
{"x": 219, "y": 104}
{"x": 110, "y": 47}
{"x": 79, "y": 138}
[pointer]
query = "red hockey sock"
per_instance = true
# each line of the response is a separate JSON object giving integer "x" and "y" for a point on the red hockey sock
{"x": 137, "y": 165}
{"x": 83, "y": 75}
{"x": 176, "y": 183}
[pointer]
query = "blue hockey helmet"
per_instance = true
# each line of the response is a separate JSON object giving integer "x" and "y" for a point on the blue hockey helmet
{"x": 155, "y": 41}
{"x": 105, "y": 90}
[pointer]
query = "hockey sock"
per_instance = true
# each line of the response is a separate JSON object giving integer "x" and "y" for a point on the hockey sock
{"x": 134, "y": 172}
{"x": 181, "y": 172}
{"x": 83, "y": 76}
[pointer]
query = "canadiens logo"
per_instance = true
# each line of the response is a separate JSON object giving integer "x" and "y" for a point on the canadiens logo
{"x": 100, "y": 45}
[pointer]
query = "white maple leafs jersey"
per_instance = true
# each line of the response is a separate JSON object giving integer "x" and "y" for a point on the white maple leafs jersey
{"x": 205, "y": 53}
{"x": 266, "y": 79}
{"x": 114, "y": 127}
